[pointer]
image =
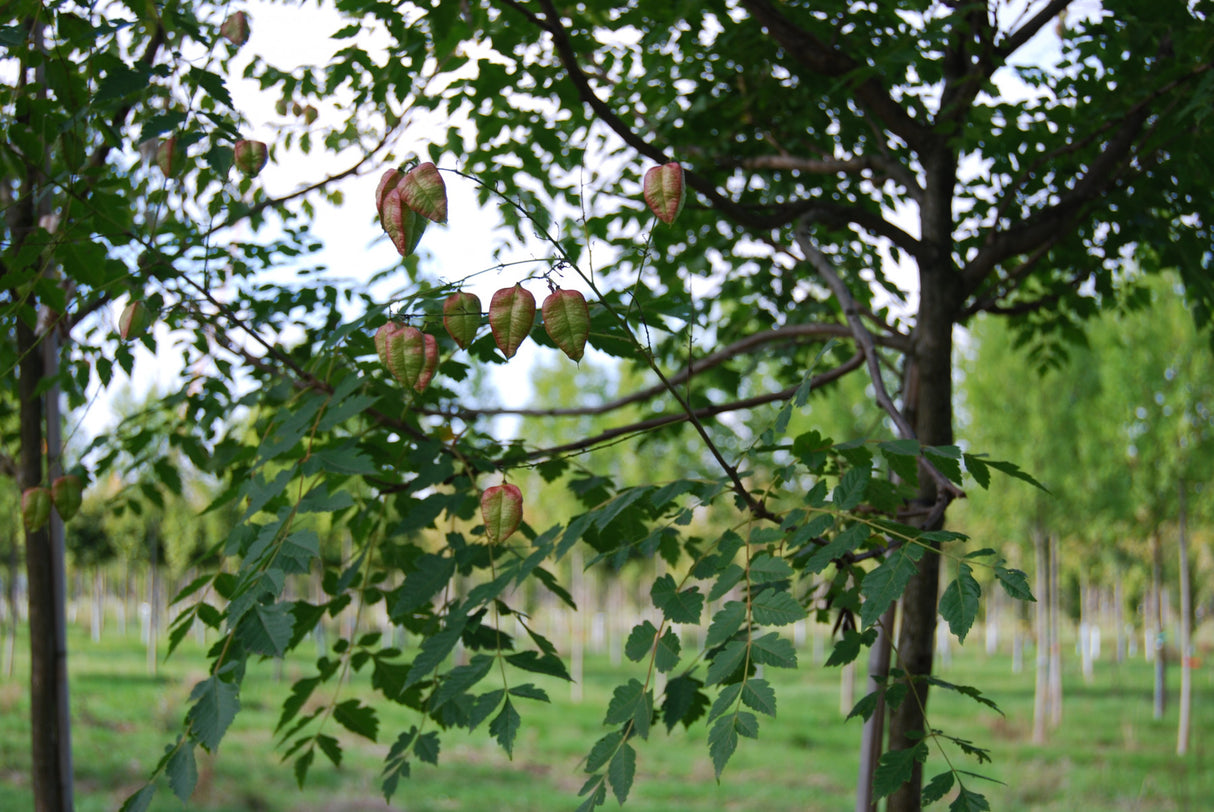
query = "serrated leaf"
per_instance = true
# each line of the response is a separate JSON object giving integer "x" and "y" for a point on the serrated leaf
{"x": 302, "y": 765}
{"x": 773, "y": 608}
{"x": 357, "y": 718}
{"x": 722, "y": 742}
{"x": 537, "y": 663}
{"x": 484, "y": 705}
{"x": 1015, "y": 583}
{"x": 331, "y": 747}
{"x": 427, "y": 748}
{"x": 460, "y": 679}
{"x": 678, "y": 606}
{"x": 215, "y": 706}
{"x": 772, "y": 649}
{"x": 895, "y": 768}
{"x": 640, "y": 641}
{"x": 843, "y": 543}
{"x": 603, "y": 750}
{"x": 885, "y": 584}
{"x": 530, "y": 691}
{"x": 666, "y": 655}
{"x": 759, "y": 695}
{"x": 726, "y": 580}
{"x": 430, "y": 575}
{"x": 685, "y": 702}
{"x": 630, "y": 702}
{"x": 724, "y": 701}
{"x": 511, "y": 316}
{"x": 504, "y": 727}
{"x": 596, "y": 798}
{"x": 182, "y": 771}
{"x": 969, "y": 801}
{"x": 848, "y": 646}
{"x": 959, "y": 603}
{"x": 621, "y": 771}
{"x": 765, "y": 569}
{"x": 937, "y": 788}
{"x": 849, "y": 493}
{"x": 726, "y": 662}
{"x": 266, "y": 629}
{"x": 139, "y": 801}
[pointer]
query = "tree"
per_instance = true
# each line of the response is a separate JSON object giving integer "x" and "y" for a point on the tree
{"x": 804, "y": 132}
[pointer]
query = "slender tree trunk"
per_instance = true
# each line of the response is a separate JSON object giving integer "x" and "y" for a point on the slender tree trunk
{"x": 1041, "y": 688}
{"x": 1186, "y": 629}
{"x": 1085, "y": 629}
{"x": 1161, "y": 666}
{"x": 1055, "y": 637}
{"x": 873, "y": 738}
{"x": 1119, "y": 617}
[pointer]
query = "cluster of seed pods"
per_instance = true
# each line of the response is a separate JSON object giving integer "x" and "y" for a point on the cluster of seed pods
{"x": 407, "y": 202}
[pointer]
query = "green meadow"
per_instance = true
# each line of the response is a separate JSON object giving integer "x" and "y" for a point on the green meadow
{"x": 1109, "y": 754}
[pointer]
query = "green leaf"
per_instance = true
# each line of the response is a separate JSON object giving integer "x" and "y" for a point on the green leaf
{"x": 505, "y": 727}
{"x": 530, "y": 691}
{"x": 847, "y": 648}
{"x": 772, "y": 608}
{"x": 937, "y": 788}
{"x": 726, "y": 661}
{"x": 725, "y": 623}
{"x": 723, "y": 737}
{"x": 726, "y": 580}
{"x": 357, "y": 718}
{"x": 759, "y": 695}
{"x": 215, "y": 706}
{"x": 772, "y": 649}
{"x": 666, "y": 655}
{"x": 139, "y": 801}
{"x": 1015, "y": 583}
{"x": 895, "y": 768}
{"x": 969, "y": 801}
{"x": 685, "y": 702}
{"x": 959, "y": 603}
{"x": 849, "y": 493}
{"x": 631, "y": 702}
{"x": 725, "y": 701}
{"x": 330, "y": 747}
{"x": 603, "y": 750}
{"x": 843, "y": 543}
{"x": 678, "y": 607}
{"x": 621, "y": 771}
{"x": 182, "y": 771}
{"x": 459, "y": 680}
{"x": 536, "y": 663}
{"x": 435, "y": 648}
{"x": 765, "y": 569}
{"x": 640, "y": 641}
{"x": 302, "y": 765}
{"x": 887, "y": 582}
{"x": 266, "y": 629}
{"x": 427, "y": 748}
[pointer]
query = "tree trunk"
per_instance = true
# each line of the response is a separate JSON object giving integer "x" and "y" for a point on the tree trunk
{"x": 929, "y": 398}
{"x": 1161, "y": 665}
{"x": 1055, "y": 638}
{"x": 1041, "y": 687}
{"x": 1186, "y": 628}
{"x": 872, "y": 740}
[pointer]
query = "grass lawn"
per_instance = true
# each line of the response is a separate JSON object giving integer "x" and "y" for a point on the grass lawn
{"x": 1108, "y": 755}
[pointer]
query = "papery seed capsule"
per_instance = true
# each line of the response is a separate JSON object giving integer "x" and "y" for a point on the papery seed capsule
{"x": 407, "y": 355}
{"x": 35, "y": 508}
{"x": 423, "y": 190}
{"x": 429, "y": 362}
{"x": 251, "y": 157}
{"x": 511, "y": 316}
{"x": 403, "y": 225}
{"x": 502, "y": 511}
{"x": 66, "y": 493}
{"x": 235, "y": 29}
{"x": 664, "y": 191}
{"x": 167, "y": 158}
{"x": 135, "y": 321}
{"x": 462, "y": 317}
{"x": 567, "y": 321}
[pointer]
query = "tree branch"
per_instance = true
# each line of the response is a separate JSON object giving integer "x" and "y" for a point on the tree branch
{"x": 825, "y": 60}
{"x": 587, "y": 443}
{"x": 1018, "y": 38}
{"x": 740, "y": 347}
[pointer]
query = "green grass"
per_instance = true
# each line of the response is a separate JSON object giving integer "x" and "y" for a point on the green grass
{"x": 1108, "y": 755}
